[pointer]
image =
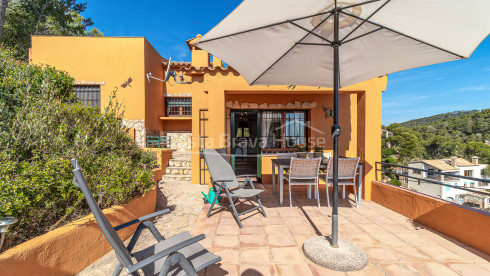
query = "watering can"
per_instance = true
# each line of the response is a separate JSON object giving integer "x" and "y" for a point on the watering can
{"x": 210, "y": 196}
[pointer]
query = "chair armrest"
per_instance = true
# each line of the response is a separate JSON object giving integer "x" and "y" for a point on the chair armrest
{"x": 226, "y": 180}
{"x": 247, "y": 181}
{"x": 141, "y": 219}
{"x": 164, "y": 253}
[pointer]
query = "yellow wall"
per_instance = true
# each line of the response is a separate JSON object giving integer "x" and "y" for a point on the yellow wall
{"x": 155, "y": 106}
{"x": 111, "y": 60}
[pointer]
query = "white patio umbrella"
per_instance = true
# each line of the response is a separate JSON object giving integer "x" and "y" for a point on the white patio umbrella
{"x": 333, "y": 43}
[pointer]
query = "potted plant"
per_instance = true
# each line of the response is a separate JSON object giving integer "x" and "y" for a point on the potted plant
{"x": 301, "y": 150}
{"x": 317, "y": 151}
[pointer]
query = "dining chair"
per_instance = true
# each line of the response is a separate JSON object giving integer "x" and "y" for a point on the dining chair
{"x": 347, "y": 175}
{"x": 303, "y": 172}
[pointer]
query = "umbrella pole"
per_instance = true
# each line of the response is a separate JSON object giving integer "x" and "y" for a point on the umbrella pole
{"x": 336, "y": 132}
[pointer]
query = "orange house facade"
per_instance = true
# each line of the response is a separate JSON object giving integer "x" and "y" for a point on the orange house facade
{"x": 209, "y": 105}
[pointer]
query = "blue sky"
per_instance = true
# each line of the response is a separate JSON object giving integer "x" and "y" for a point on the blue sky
{"x": 457, "y": 85}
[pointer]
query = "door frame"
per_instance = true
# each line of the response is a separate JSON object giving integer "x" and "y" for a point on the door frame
{"x": 233, "y": 134}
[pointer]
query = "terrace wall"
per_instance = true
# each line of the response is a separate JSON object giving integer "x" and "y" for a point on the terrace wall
{"x": 464, "y": 224}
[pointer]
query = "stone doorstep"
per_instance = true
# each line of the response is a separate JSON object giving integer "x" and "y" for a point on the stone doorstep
{"x": 176, "y": 177}
{"x": 178, "y": 170}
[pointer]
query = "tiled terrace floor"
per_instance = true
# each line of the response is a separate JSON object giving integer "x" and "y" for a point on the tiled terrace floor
{"x": 394, "y": 244}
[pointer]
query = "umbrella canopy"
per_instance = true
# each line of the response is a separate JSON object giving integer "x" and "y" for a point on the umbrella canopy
{"x": 288, "y": 42}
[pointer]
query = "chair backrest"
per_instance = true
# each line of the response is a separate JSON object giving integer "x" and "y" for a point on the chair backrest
{"x": 304, "y": 167}
{"x": 219, "y": 167}
{"x": 122, "y": 252}
{"x": 286, "y": 155}
{"x": 347, "y": 168}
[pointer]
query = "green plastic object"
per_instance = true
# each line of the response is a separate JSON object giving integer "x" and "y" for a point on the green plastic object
{"x": 210, "y": 196}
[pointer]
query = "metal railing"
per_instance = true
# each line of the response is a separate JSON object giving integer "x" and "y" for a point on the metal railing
{"x": 429, "y": 180}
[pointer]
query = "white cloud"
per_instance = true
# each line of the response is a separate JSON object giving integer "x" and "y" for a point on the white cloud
{"x": 474, "y": 88}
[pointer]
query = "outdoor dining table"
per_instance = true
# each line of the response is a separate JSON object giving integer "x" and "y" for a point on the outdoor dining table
{"x": 285, "y": 163}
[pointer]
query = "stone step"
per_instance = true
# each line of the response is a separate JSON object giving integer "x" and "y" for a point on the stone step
{"x": 179, "y": 163}
{"x": 176, "y": 177}
{"x": 178, "y": 170}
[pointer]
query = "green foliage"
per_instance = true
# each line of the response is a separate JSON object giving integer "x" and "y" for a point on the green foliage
{"x": 42, "y": 17}
{"x": 462, "y": 133}
{"x": 439, "y": 117}
{"x": 42, "y": 126}
{"x": 395, "y": 182}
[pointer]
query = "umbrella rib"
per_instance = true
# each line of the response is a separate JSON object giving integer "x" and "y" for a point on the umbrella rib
{"x": 407, "y": 36}
{"x": 290, "y": 49}
{"x": 360, "y": 4}
{"x": 367, "y": 18}
{"x": 267, "y": 26}
{"x": 359, "y": 36}
{"x": 306, "y": 30}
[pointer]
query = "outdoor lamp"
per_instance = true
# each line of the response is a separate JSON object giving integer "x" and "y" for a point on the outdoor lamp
{"x": 5, "y": 222}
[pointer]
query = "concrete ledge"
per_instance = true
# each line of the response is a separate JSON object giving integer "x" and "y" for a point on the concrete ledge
{"x": 70, "y": 248}
{"x": 464, "y": 224}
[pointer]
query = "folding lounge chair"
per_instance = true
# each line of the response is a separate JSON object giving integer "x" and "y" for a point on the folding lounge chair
{"x": 226, "y": 184}
{"x": 178, "y": 255}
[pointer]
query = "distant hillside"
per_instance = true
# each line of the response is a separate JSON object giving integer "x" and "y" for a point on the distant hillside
{"x": 428, "y": 120}
{"x": 460, "y": 133}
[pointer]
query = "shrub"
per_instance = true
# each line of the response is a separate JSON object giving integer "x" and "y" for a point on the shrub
{"x": 43, "y": 126}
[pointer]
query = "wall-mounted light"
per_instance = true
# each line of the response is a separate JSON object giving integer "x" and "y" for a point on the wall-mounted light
{"x": 328, "y": 112}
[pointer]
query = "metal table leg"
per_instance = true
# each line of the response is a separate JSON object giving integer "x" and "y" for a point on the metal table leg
{"x": 281, "y": 189}
{"x": 273, "y": 178}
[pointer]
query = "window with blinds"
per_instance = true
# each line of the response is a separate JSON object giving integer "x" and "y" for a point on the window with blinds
{"x": 89, "y": 95}
{"x": 282, "y": 130}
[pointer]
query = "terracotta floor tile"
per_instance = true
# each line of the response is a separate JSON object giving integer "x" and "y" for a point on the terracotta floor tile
{"x": 363, "y": 240}
{"x": 254, "y": 220}
{"x": 253, "y": 241}
{"x": 469, "y": 269}
{"x": 301, "y": 239}
{"x": 252, "y": 230}
{"x": 396, "y": 228}
{"x": 223, "y": 269}
{"x": 287, "y": 255}
{"x": 227, "y": 221}
{"x": 287, "y": 212}
{"x": 228, "y": 255}
{"x": 411, "y": 254}
{"x": 400, "y": 269}
{"x": 381, "y": 254}
{"x": 273, "y": 230}
{"x": 293, "y": 269}
{"x": 369, "y": 270}
{"x": 228, "y": 229}
{"x": 321, "y": 271}
{"x": 350, "y": 229}
{"x": 389, "y": 239}
{"x": 255, "y": 255}
{"x": 414, "y": 239}
{"x": 441, "y": 254}
{"x": 295, "y": 221}
{"x": 359, "y": 220}
{"x": 373, "y": 229}
{"x": 280, "y": 241}
{"x": 273, "y": 221}
{"x": 226, "y": 241}
{"x": 207, "y": 242}
{"x": 302, "y": 229}
{"x": 434, "y": 269}
{"x": 257, "y": 270}
{"x": 380, "y": 220}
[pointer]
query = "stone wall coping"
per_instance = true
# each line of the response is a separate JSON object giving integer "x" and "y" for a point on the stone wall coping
{"x": 69, "y": 249}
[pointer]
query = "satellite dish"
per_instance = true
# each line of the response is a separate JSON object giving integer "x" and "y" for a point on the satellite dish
{"x": 168, "y": 73}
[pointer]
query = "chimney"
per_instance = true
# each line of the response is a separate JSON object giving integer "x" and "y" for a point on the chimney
{"x": 474, "y": 160}
{"x": 217, "y": 62}
{"x": 453, "y": 161}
